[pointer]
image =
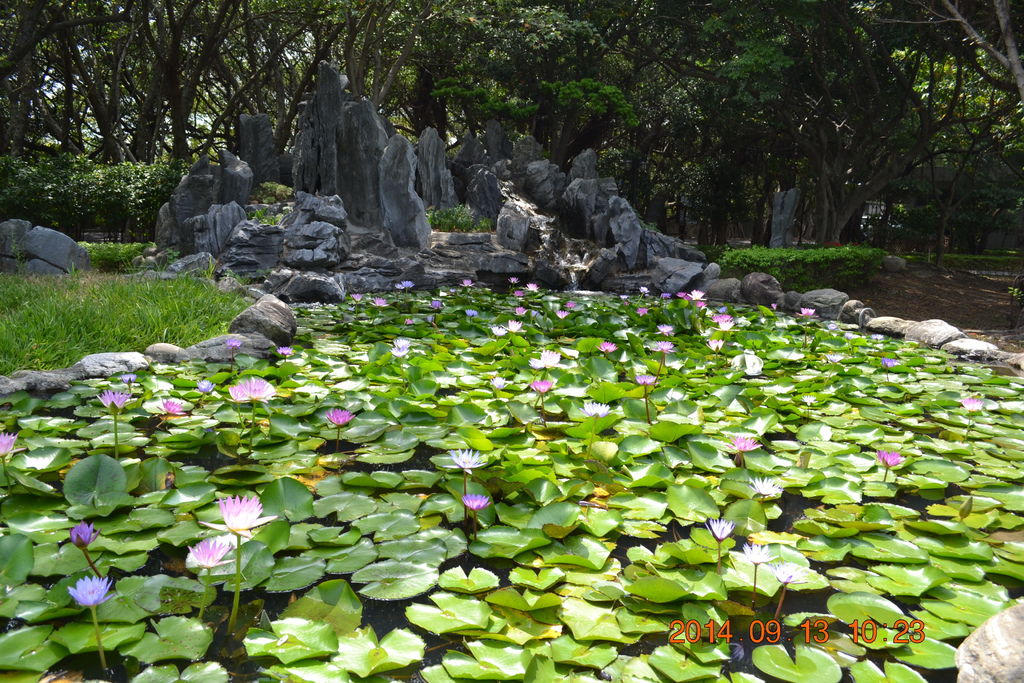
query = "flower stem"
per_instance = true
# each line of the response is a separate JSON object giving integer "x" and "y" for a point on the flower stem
{"x": 202, "y": 608}
{"x": 116, "y": 448}
{"x": 753, "y": 598}
{"x": 252, "y": 429}
{"x": 91, "y": 565}
{"x": 337, "y": 439}
{"x": 886, "y": 475}
{"x": 719, "y": 557}
{"x": 647, "y": 406}
{"x": 238, "y": 583}
{"x": 99, "y": 641}
{"x": 781, "y": 598}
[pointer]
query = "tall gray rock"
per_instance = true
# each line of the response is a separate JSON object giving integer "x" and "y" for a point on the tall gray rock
{"x": 483, "y": 194}
{"x": 496, "y": 142}
{"x": 626, "y": 230}
{"x": 252, "y": 248}
{"x": 471, "y": 153}
{"x": 362, "y": 138}
{"x": 235, "y": 179}
{"x": 433, "y": 179}
{"x": 212, "y": 230}
{"x": 256, "y": 147}
{"x": 584, "y": 165}
{"x": 544, "y": 183}
{"x": 401, "y": 209}
{"x": 525, "y": 151}
{"x": 316, "y": 141}
{"x": 783, "y": 212}
{"x": 585, "y": 203}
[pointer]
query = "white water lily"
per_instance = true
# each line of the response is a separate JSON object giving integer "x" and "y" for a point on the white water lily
{"x": 749, "y": 363}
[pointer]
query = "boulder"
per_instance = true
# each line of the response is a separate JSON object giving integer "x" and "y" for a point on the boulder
{"x": 305, "y": 287}
{"x": 584, "y": 166}
{"x": 992, "y": 653}
{"x": 204, "y": 185}
{"x": 269, "y": 317}
{"x": 212, "y": 230}
{"x": 362, "y": 139}
{"x": 893, "y": 264}
{"x": 401, "y": 209}
{"x": 548, "y": 273}
{"x": 166, "y": 353}
{"x": 108, "y": 364}
{"x": 309, "y": 208}
{"x": 216, "y": 351}
{"x": 585, "y": 205}
{"x": 433, "y": 179}
{"x": 626, "y": 230}
{"x": 252, "y": 248}
{"x": 200, "y": 263}
{"x": 826, "y": 302}
{"x": 525, "y": 151}
{"x": 471, "y": 153}
{"x": 315, "y": 161}
{"x": 889, "y": 326}
{"x": 39, "y": 267}
{"x": 496, "y": 143}
{"x": 791, "y": 302}
{"x": 850, "y": 311}
{"x": 483, "y": 194}
{"x": 56, "y": 249}
{"x": 654, "y": 245}
{"x": 726, "y": 289}
{"x": 933, "y": 333}
{"x": 256, "y": 147}
{"x": 544, "y": 183}
{"x": 975, "y": 350}
{"x": 602, "y": 267}
{"x": 475, "y": 253}
{"x": 235, "y": 179}
{"x": 230, "y": 285}
{"x": 513, "y": 225}
{"x": 707, "y": 277}
{"x": 37, "y": 382}
{"x": 675, "y": 275}
{"x": 12, "y": 238}
{"x": 760, "y": 289}
{"x": 314, "y": 246}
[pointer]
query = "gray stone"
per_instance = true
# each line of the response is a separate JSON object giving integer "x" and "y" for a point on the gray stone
{"x": 502, "y": 169}
{"x": 12, "y": 237}
{"x": 544, "y": 183}
{"x": 315, "y": 167}
{"x": 850, "y": 312}
{"x": 655, "y": 245}
{"x": 230, "y": 285}
{"x": 992, "y": 652}
{"x": 255, "y": 293}
{"x": 212, "y": 230}
{"x": 166, "y": 353}
{"x": 626, "y": 230}
{"x": 8, "y": 265}
{"x": 864, "y": 316}
{"x": 893, "y": 264}
{"x": 889, "y": 326}
{"x": 496, "y": 143}
{"x": 483, "y": 194}
{"x": 166, "y": 230}
{"x": 933, "y": 333}
{"x": 193, "y": 263}
{"x": 269, "y": 317}
{"x": 401, "y": 209}
{"x": 602, "y": 267}
{"x": 433, "y": 179}
{"x": 675, "y": 275}
{"x": 305, "y": 287}
{"x": 783, "y": 212}
{"x": 235, "y": 179}
{"x": 476, "y": 253}
{"x": 791, "y": 301}
{"x": 256, "y": 147}
{"x": 513, "y": 225}
{"x": 216, "y": 351}
{"x": 761, "y": 289}
{"x": 525, "y": 151}
{"x": 584, "y": 166}
{"x": 975, "y": 350}
{"x": 708, "y": 277}
{"x": 38, "y": 382}
{"x": 40, "y": 267}
{"x": 725, "y": 289}
{"x": 548, "y": 273}
{"x": 314, "y": 246}
{"x": 827, "y": 303}
{"x": 585, "y": 205}
{"x": 253, "y": 248}
{"x": 369, "y": 241}
{"x": 198, "y": 190}
{"x": 108, "y": 364}
{"x": 56, "y": 248}
{"x": 471, "y": 153}
{"x": 309, "y": 208}
{"x": 362, "y": 139}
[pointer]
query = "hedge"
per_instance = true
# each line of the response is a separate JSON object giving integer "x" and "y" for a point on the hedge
{"x": 805, "y": 269}
{"x": 74, "y": 194}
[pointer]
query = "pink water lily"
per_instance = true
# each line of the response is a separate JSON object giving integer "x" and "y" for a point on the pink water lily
{"x": 548, "y": 359}
{"x": 172, "y": 407}
{"x": 209, "y": 553}
{"x": 339, "y": 417}
{"x": 241, "y": 516}
{"x": 607, "y": 347}
{"x": 253, "y": 389}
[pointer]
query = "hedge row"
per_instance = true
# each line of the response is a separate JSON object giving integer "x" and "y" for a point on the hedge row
{"x": 75, "y": 195}
{"x": 805, "y": 269}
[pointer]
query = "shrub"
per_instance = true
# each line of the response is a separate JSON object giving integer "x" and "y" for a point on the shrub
{"x": 113, "y": 257}
{"x": 457, "y": 219}
{"x": 271, "y": 193}
{"x": 74, "y": 194}
{"x": 805, "y": 269}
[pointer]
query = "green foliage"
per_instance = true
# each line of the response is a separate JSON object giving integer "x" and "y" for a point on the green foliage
{"x": 714, "y": 252}
{"x": 805, "y": 269}
{"x": 269, "y": 193}
{"x": 457, "y": 219}
{"x": 48, "y": 322}
{"x": 486, "y": 103}
{"x": 1007, "y": 264}
{"x": 114, "y": 257}
{"x": 74, "y": 194}
{"x": 592, "y": 97}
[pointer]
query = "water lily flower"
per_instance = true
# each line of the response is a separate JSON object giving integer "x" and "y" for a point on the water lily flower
{"x": 664, "y": 346}
{"x": 514, "y": 325}
{"x": 808, "y": 399}
{"x": 513, "y": 280}
{"x": 380, "y": 302}
{"x": 467, "y": 283}
{"x": 498, "y": 331}
{"x": 834, "y": 357}
{"x": 607, "y": 347}
{"x": 204, "y": 386}
{"x": 208, "y": 553}
{"x": 357, "y": 297}
{"x": 475, "y": 502}
{"x": 972, "y": 404}
{"x": 541, "y": 386}
{"x": 562, "y": 314}
{"x": 646, "y": 380}
{"x": 339, "y": 417}
{"x": 90, "y": 591}
{"x": 172, "y": 407}
{"x": 696, "y": 295}
{"x": 233, "y": 344}
{"x": 726, "y": 325}
{"x": 591, "y": 409}
{"x": 466, "y": 460}
{"x": 82, "y": 534}
{"x": 878, "y": 337}
{"x": 786, "y": 573}
{"x": 532, "y": 286}
{"x": 716, "y": 344}
{"x": 641, "y": 311}
{"x": 129, "y": 378}
{"x": 254, "y": 389}
{"x": 807, "y": 312}
{"x": 498, "y": 383}
{"x": 744, "y": 444}
{"x": 285, "y": 351}
{"x": 765, "y": 487}
{"x": 410, "y": 321}
{"x": 666, "y": 295}
{"x": 470, "y": 313}
{"x": 400, "y": 347}
{"x": 832, "y": 326}
{"x": 407, "y": 284}
{"x": 849, "y": 335}
{"x": 721, "y": 529}
{"x": 519, "y": 292}
{"x": 114, "y": 401}
{"x": 666, "y": 330}
{"x": 520, "y": 310}
{"x": 644, "y": 290}
{"x": 775, "y": 307}
{"x": 435, "y": 304}
{"x": 7, "y": 443}
{"x": 757, "y": 554}
{"x": 700, "y": 304}
{"x": 241, "y": 516}
{"x": 889, "y": 459}
{"x": 721, "y": 318}
{"x": 548, "y": 359}
{"x": 570, "y": 304}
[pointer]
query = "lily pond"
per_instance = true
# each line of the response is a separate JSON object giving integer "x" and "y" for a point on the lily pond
{"x": 472, "y": 485}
